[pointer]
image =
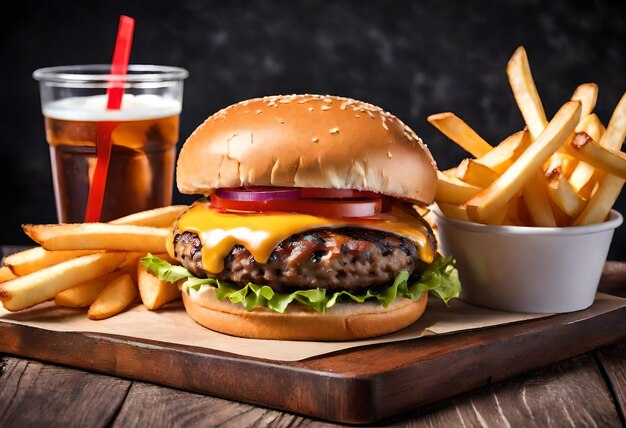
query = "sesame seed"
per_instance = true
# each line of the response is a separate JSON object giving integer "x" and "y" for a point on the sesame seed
{"x": 284, "y": 101}
{"x": 334, "y": 130}
{"x": 370, "y": 114}
{"x": 389, "y": 155}
{"x": 385, "y": 126}
{"x": 279, "y": 120}
{"x": 303, "y": 101}
{"x": 258, "y": 111}
{"x": 358, "y": 115}
{"x": 310, "y": 109}
{"x": 327, "y": 100}
{"x": 315, "y": 139}
{"x": 324, "y": 108}
{"x": 342, "y": 107}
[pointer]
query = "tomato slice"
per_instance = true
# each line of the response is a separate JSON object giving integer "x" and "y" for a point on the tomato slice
{"x": 319, "y": 207}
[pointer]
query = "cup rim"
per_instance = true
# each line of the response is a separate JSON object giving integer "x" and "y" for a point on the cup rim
{"x": 100, "y": 73}
{"x": 614, "y": 220}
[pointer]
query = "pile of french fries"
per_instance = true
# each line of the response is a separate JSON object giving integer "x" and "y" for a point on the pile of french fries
{"x": 565, "y": 172}
{"x": 91, "y": 265}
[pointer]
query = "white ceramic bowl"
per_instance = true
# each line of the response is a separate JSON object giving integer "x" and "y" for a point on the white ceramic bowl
{"x": 528, "y": 269}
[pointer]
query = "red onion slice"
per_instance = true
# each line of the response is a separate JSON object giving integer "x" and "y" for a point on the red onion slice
{"x": 258, "y": 194}
{"x": 268, "y": 193}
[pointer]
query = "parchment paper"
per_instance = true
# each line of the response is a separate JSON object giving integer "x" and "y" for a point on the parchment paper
{"x": 171, "y": 324}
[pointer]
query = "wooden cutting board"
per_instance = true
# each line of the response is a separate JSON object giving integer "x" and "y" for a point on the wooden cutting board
{"x": 361, "y": 385}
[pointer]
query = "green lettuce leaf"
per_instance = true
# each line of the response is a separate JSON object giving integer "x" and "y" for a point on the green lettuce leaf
{"x": 440, "y": 278}
{"x": 163, "y": 270}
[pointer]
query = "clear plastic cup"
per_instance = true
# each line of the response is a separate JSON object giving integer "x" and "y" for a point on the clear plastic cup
{"x": 141, "y": 169}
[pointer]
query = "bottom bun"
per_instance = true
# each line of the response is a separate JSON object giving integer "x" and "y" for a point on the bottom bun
{"x": 341, "y": 322}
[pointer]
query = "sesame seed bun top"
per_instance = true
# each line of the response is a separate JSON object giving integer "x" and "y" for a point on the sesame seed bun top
{"x": 307, "y": 141}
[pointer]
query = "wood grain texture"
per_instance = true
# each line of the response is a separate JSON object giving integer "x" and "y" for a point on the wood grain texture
{"x": 156, "y": 406}
{"x": 613, "y": 362}
{"x": 571, "y": 393}
{"x": 36, "y": 394}
{"x": 357, "y": 386}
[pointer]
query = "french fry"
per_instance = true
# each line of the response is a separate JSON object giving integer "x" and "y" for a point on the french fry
{"x": 84, "y": 294}
{"x": 568, "y": 164}
{"x": 461, "y": 133}
{"x": 154, "y": 292}
{"x": 600, "y": 204}
{"x": 564, "y": 163}
{"x": 610, "y": 161}
{"x": 37, "y": 287}
{"x": 564, "y": 196}
{"x": 453, "y": 211}
{"x": 129, "y": 265}
{"x": 587, "y": 94}
{"x": 529, "y": 104}
{"x": 458, "y": 212}
{"x": 503, "y": 155}
{"x": 472, "y": 172}
{"x": 582, "y": 174}
{"x": 159, "y": 217}
{"x": 6, "y": 274}
{"x": 569, "y": 171}
{"x": 562, "y": 219}
{"x": 498, "y": 217}
{"x": 451, "y": 190}
{"x": 592, "y": 126}
{"x": 37, "y": 258}
{"x": 590, "y": 187}
{"x": 615, "y": 133}
{"x": 525, "y": 92}
{"x": 450, "y": 172}
{"x": 537, "y": 201}
{"x": 114, "y": 298}
{"x": 609, "y": 187}
{"x": 98, "y": 236}
{"x": 488, "y": 201}
{"x": 517, "y": 213}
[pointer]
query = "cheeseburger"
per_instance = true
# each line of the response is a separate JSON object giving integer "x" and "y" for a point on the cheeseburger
{"x": 307, "y": 229}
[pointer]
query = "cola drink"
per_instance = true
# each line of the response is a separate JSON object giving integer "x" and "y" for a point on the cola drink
{"x": 141, "y": 169}
{"x": 144, "y": 134}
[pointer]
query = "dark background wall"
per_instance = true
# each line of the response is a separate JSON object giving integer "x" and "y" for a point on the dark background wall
{"x": 412, "y": 58}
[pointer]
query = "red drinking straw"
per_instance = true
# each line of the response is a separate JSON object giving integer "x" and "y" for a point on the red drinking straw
{"x": 115, "y": 93}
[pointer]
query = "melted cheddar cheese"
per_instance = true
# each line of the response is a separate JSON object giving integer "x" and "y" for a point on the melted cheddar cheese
{"x": 260, "y": 233}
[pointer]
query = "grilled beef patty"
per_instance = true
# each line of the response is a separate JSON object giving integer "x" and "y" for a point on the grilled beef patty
{"x": 335, "y": 259}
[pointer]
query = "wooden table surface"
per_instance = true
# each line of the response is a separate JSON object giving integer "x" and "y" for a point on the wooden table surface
{"x": 588, "y": 390}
